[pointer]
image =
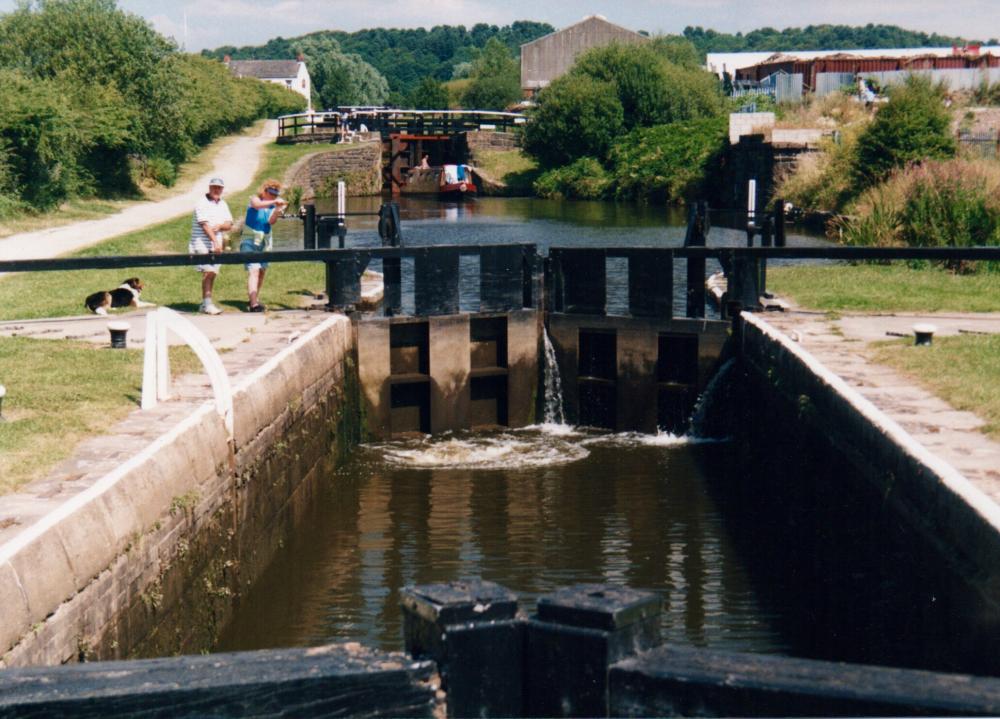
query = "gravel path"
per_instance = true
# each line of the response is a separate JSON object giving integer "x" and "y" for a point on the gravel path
{"x": 236, "y": 163}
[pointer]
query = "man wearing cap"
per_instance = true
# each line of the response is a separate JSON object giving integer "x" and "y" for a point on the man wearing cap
{"x": 209, "y": 224}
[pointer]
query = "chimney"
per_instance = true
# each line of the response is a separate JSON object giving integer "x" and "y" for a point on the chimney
{"x": 300, "y": 57}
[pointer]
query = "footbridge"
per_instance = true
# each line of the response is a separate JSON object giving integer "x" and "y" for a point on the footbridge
{"x": 344, "y": 124}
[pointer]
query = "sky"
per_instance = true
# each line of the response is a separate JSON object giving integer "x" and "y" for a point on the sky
{"x": 211, "y": 23}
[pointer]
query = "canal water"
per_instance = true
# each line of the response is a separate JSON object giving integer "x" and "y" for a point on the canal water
{"x": 532, "y": 510}
{"x": 776, "y": 560}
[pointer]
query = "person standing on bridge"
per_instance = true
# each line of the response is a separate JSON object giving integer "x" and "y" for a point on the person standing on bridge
{"x": 265, "y": 208}
{"x": 211, "y": 220}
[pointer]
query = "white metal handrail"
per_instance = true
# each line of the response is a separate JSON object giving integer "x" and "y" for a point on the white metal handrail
{"x": 156, "y": 363}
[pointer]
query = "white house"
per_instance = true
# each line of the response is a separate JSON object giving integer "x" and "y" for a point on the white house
{"x": 293, "y": 74}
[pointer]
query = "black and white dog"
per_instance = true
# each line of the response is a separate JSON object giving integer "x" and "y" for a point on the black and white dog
{"x": 125, "y": 295}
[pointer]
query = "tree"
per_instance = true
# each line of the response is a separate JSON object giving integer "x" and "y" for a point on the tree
{"x": 429, "y": 94}
{"x": 667, "y": 163}
{"x": 496, "y": 78}
{"x": 345, "y": 79}
{"x": 817, "y": 37}
{"x": 576, "y": 116}
{"x": 403, "y": 56}
{"x": 913, "y": 126}
{"x": 680, "y": 51}
{"x": 95, "y": 100}
{"x": 652, "y": 90}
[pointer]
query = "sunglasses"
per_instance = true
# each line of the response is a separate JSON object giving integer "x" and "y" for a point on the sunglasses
{"x": 273, "y": 191}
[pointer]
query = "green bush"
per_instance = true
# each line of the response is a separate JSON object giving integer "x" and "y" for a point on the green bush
{"x": 496, "y": 79}
{"x": 43, "y": 139}
{"x": 952, "y": 203}
{"x": 824, "y": 181}
{"x": 651, "y": 89}
{"x": 162, "y": 171}
{"x": 912, "y": 127}
{"x": 584, "y": 179}
{"x": 429, "y": 94}
{"x": 575, "y": 117}
{"x": 669, "y": 163}
{"x": 90, "y": 91}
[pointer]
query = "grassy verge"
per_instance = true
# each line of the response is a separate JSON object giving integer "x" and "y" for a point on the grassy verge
{"x": 176, "y": 287}
{"x": 964, "y": 370}
{"x": 885, "y": 288}
{"x": 60, "y": 393}
{"x": 79, "y": 210}
{"x": 511, "y": 167}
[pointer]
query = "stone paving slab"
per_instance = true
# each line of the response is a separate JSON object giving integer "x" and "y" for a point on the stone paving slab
{"x": 951, "y": 434}
{"x": 225, "y": 331}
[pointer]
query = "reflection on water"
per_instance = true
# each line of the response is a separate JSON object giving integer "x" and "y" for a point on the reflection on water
{"x": 545, "y": 223}
{"x": 525, "y": 220}
{"x": 621, "y": 512}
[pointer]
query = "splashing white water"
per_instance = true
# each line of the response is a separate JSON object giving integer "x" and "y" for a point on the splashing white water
{"x": 554, "y": 414}
{"x": 699, "y": 415}
{"x": 503, "y": 451}
{"x": 660, "y": 439}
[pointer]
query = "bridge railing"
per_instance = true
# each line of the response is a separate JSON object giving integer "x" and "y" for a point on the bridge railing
{"x": 389, "y": 121}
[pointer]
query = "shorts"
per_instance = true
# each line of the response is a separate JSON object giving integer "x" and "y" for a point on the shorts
{"x": 258, "y": 242}
{"x": 203, "y": 247}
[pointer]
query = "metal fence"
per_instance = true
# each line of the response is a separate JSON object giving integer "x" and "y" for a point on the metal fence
{"x": 956, "y": 79}
{"x": 831, "y": 82}
{"x": 984, "y": 145}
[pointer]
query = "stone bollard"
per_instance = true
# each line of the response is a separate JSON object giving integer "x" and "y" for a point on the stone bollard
{"x": 470, "y": 629}
{"x": 578, "y": 633}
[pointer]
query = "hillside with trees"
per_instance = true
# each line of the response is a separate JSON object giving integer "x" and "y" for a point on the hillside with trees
{"x": 95, "y": 101}
{"x": 819, "y": 37}
{"x": 403, "y": 57}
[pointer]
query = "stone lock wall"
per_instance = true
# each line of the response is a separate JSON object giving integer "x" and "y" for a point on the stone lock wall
{"x": 489, "y": 140}
{"x": 150, "y": 560}
{"x": 360, "y": 166}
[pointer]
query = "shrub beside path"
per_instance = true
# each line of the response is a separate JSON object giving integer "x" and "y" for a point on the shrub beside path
{"x": 237, "y": 163}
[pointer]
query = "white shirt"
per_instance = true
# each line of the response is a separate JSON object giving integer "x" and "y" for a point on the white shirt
{"x": 214, "y": 213}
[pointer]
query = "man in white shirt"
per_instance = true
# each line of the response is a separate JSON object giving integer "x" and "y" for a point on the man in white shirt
{"x": 209, "y": 224}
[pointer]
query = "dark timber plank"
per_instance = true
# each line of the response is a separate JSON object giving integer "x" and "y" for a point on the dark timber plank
{"x": 679, "y": 681}
{"x": 328, "y": 681}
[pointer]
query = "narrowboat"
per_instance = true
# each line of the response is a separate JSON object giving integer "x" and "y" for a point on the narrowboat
{"x": 452, "y": 182}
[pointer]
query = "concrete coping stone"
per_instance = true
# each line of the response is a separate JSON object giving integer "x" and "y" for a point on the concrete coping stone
{"x": 950, "y": 477}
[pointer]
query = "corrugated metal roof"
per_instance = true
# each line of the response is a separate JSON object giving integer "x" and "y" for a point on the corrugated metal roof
{"x": 264, "y": 69}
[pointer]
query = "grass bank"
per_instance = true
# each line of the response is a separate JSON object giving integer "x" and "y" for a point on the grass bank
{"x": 60, "y": 393}
{"x": 79, "y": 209}
{"x": 514, "y": 169}
{"x": 964, "y": 370}
{"x": 885, "y": 288}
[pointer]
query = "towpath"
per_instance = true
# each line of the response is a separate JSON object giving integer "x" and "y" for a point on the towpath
{"x": 841, "y": 345}
{"x": 236, "y": 163}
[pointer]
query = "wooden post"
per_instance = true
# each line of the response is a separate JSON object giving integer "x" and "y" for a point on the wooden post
{"x": 695, "y": 237}
{"x": 779, "y": 223}
{"x": 309, "y": 228}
